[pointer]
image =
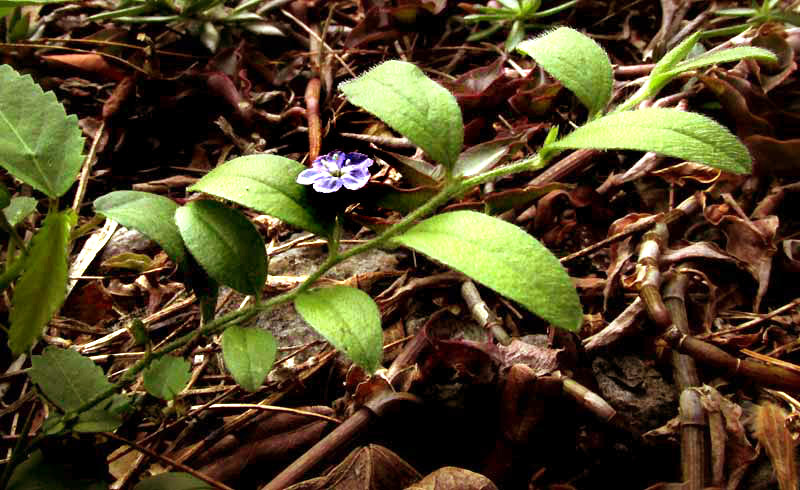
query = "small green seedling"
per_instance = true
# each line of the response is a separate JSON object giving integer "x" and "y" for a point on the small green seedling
{"x": 518, "y": 16}
{"x": 754, "y": 16}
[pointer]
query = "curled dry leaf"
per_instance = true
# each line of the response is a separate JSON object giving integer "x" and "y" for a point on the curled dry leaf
{"x": 366, "y": 468}
{"x": 451, "y": 478}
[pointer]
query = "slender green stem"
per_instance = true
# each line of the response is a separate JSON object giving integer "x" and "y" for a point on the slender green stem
{"x": 219, "y": 324}
{"x": 18, "y": 452}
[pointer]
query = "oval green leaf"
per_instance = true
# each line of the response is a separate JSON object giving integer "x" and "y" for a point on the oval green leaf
{"x": 415, "y": 106}
{"x": 502, "y": 257}
{"x": 172, "y": 481}
{"x": 249, "y": 354}
{"x": 225, "y": 244}
{"x": 349, "y": 319}
{"x": 670, "y": 132}
{"x": 70, "y": 380}
{"x": 42, "y": 288}
{"x": 166, "y": 377}
{"x": 578, "y": 62}
{"x": 148, "y": 213}
{"x": 18, "y": 209}
{"x": 41, "y": 147}
{"x": 267, "y": 184}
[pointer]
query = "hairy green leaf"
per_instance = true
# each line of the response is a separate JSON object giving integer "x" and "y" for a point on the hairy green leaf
{"x": 671, "y": 132}
{"x": 504, "y": 258}
{"x": 249, "y": 354}
{"x": 166, "y": 377}
{"x": 225, "y": 244}
{"x": 172, "y": 481}
{"x": 42, "y": 288}
{"x": 577, "y": 62}
{"x": 41, "y": 147}
{"x": 18, "y": 209}
{"x": 725, "y": 56}
{"x": 70, "y": 380}
{"x": 148, "y": 213}
{"x": 349, "y": 319}
{"x": 267, "y": 184}
{"x": 420, "y": 109}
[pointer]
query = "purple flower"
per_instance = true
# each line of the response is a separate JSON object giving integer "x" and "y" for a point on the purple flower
{"x": 330, "y": 172}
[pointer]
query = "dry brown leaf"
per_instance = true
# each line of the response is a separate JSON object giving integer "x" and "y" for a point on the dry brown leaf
{"x": 451, "y": 478}
{"x": 777, "y": 440}
{"x": 366, "y": 468}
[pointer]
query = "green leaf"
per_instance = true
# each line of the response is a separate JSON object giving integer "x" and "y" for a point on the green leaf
{"x": 724, "y": 56}
{"x": 578, "y": 62}
{"x": 20, "y": 3}
{"x": 420, "y": 109}
{"x": 504, "y": 258}
{"x": 166, "y": 377}
{"x": 39, "y": 144}
{"x": 172, "y": 481}
{"x": 349, "y": 319}
{"x": 671, "y": 132}
{"x": 42, "y": 288}
{"x": 151, "y": 214}
{"x": 482, "y": 156}
{"x": 5, "y": 196}
{"x": 249, "y": 354}
{"x": 37, "y": 473}
{"x": 267, "y": 184}
{"x": 225, "y": 244}
{"x": 19, "y": 209}
{"x": 675, "y": 55}
{"x": 70, "y": 380}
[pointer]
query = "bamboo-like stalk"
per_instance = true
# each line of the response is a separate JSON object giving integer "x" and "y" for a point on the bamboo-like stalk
{"x": 674, "y": 298}
{"x": 769, "y": 376}
{"x": 693, "y": 446}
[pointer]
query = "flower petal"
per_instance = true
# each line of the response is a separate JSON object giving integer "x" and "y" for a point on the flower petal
{"x": 355, "y": 181}
{"x": 328, "y": 184}
{"x": 311, "y": 175}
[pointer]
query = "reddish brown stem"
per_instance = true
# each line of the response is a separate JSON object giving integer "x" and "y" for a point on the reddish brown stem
{"x": 314, "y": 122}
{"x": 775, "y": 377}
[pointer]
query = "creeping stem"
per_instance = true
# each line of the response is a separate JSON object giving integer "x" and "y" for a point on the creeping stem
{"x": 450, "y": 190}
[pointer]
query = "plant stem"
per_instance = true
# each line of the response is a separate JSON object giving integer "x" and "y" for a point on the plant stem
{"x": 334, "y": 257}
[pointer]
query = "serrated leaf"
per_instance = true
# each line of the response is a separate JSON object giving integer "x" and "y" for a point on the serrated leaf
{"x": 670, "y": 132}
{"x": 172, "y": 481}
{"x": 349, "y": 319}
{"x": 225, "y": 244}
{"x": 41, "y": 147}
{"x": 420, "y": 109}
{"x": 67, "y": 378}
{"x": 267, "y": 184}
{"x": 151, "y": 214}
{"x": 578, "y": 62}
{"x": 70, "y": 380}
{"x": 249, "y": 354}
{"x": 37, "y": 473}
{"x": 502, "y": 257}
{"x": 42, "y": 287}
{"x": 166, "y": 377}
{"x": 18, "y": 209}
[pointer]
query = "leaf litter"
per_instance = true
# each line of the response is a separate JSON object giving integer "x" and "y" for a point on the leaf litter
{"x": 478, "y": 414}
